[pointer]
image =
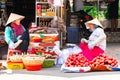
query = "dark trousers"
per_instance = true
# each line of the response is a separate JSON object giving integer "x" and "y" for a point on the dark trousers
{"x": 25, "y": 42}
{"x": 23, "y": 46}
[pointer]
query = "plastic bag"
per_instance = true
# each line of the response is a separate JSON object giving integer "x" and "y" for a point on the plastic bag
{"x": 66, "y": 52}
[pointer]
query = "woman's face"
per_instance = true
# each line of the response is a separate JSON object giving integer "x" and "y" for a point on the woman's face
{"x": 91, "y": 26}
{"x": 17, "y": 21}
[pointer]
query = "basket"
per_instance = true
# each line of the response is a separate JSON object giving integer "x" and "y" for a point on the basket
{"x": 33, "y": 67}
{"x": 99, "y": 68}
{"x": 48, "y": 63}
{"x": 15, "y": 58}
{"x": 0, "y": 64}
{"x": 33, "y": 62}
{"x": 15, "y": 66}
{"x": 14, "y": 55}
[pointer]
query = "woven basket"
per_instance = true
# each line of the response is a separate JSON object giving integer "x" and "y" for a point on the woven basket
{"x": 14, "y": 55}
{"x": 99, "y": 68}
{"x": 15, "y": 58}
{"x": 32, "y": 60}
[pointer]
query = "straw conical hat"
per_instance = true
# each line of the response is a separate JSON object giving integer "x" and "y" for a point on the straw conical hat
{"x": 94, "y": 21}
{"x": 14, "y": 17}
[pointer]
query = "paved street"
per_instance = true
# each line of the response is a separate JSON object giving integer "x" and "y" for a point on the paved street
{"x": 54, "y": 73}
{"x": 114, "y": 50}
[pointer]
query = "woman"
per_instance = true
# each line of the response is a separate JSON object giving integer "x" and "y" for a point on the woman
{"x": 96, "y": 44}
{"x": 16, "y": 36}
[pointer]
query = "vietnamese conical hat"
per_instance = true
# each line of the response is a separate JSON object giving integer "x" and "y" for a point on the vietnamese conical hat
{"x": 14, "y": 17}
{"x": 94, "y": 21}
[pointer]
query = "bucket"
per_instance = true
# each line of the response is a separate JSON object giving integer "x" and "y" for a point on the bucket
{"x": 33, "y": 62}
{"x": 33, "y": 67}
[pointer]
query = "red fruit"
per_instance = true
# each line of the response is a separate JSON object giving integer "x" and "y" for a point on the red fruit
{"x": 56, "y": 38}
{"x": 33, "y": 50}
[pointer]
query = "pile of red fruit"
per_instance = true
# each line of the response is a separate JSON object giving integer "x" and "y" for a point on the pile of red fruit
{"x": 79, "y": 60}
{"x": 104, "y": 59}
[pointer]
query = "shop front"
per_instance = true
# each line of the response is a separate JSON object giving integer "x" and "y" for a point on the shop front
{"x": 47, "y": 33}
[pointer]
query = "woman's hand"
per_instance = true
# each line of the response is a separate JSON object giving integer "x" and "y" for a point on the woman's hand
{"x": 83, "y": 40}
{"x": 18, "y": 43}
{"x": 12, "y": 45}
{"x": 91, "y": 45}
{"x": 19, "y": 37}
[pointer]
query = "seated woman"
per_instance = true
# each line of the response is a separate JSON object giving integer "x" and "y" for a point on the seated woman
{"x": 96, "y": 44}
{"x": 16, "y": 36}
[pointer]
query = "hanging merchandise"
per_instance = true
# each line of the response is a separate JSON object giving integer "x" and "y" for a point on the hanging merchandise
{"x": 58, "y": 2}
{"x": 71, "y": 5}
{"x": 51, "y": 2}
{"x": 38, "y": 10}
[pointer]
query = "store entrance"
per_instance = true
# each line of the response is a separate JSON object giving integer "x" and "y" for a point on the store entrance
{"x": 24, "y": 7}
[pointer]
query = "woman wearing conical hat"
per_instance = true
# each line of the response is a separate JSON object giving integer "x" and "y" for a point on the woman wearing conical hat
{"x": 96, "y": 44}
{"x": 16, "y": 36}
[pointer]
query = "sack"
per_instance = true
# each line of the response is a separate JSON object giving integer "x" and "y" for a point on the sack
{"x": 109, "y": 1}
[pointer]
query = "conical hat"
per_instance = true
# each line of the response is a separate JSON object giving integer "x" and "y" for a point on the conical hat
{"x": 94, "y": 21}
{"x": 14, "y": 17}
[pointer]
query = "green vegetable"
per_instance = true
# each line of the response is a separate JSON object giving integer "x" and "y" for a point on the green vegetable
{"x": 41, "y": 35}
{"x": 38, "y": 53}
{"x": 48, "y": 63}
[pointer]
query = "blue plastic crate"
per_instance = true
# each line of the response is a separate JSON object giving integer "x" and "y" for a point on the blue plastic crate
{"x": 72, "y": 35}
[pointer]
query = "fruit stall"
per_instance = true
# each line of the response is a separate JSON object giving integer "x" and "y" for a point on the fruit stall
{"x": 43, "y": 39}
{"x": 41, "y": 55}
{"x": 79, "y": 63}
{"x": 16, "y": 60}
{"x": 40, "y": 51}
{"x": 75, "y": 63}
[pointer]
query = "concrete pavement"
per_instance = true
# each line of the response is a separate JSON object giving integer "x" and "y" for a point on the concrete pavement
{"x": 56, "y": 74}
{"x": 42, "y": 77}
{"x": 113, "y": 49}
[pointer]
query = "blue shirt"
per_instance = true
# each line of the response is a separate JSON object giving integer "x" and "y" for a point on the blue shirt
{"x": 10, "y": 35}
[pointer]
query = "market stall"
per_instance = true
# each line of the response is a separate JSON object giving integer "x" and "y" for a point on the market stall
{"x": 79, "y": 63}
{"x": 41, "y": 53}
{"x": 75, "y": 63}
